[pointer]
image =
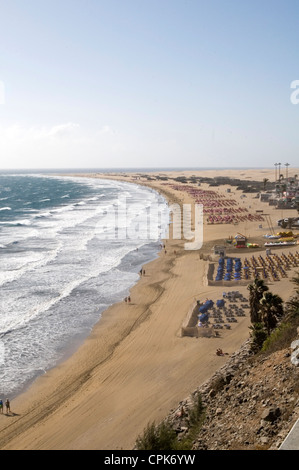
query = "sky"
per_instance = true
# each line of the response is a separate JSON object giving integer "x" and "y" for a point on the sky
{"x": 149, "y": 83}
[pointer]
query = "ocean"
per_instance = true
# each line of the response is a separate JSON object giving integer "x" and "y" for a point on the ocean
{"x": 69, "y": 248}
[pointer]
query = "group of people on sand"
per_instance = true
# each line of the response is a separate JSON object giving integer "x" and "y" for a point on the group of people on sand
{"x": 7, "y": 405}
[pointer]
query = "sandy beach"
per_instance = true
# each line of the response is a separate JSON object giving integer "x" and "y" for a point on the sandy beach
{"x": 136, "y": 366}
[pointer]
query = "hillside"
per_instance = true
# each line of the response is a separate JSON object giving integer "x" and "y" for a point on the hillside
{"x": 251, "y": 403}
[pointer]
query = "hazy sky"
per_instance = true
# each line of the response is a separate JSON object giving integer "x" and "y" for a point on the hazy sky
{"x": 148, "y": 83}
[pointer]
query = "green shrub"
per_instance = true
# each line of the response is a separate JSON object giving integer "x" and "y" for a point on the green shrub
{"x": 280, "y": 338}
{"x": 161, "y": 437}
{"x": 196, "y": 412}
{"x": 196, "y": 419}
{"x": 258, "y": 336}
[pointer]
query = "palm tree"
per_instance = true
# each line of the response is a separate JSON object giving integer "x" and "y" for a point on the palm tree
{"x": 265, "y": 181}
{"x": 271, "y": 310}
{"x": 258, "y": 336}
{"x": 256, "y": 292}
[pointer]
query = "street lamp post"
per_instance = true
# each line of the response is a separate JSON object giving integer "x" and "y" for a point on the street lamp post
{"x": 287, "y": 165}
{"x": 279, "y": 171}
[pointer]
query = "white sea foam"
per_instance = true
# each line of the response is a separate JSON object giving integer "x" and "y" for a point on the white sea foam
{"x": 14, "y": 267}
{"x": 43, "y": 214}
{"x": 15, "y": 223}
{"x": 59, "y": 269}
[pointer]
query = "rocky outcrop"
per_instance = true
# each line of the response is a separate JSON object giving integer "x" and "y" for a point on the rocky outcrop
{"x": 250, "y": 403}
{"x": 295, "y": 352}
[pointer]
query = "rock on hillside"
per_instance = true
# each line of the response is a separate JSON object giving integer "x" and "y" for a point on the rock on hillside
{"x": 251, "y": 403}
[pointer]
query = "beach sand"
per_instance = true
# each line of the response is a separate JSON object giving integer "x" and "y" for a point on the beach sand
{"x": 135, "y": 366}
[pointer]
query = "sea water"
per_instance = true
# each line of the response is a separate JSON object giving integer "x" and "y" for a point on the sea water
{"x": 69, "y": 248}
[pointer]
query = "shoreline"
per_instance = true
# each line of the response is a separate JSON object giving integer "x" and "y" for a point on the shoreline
{"x": 134, "y": 367}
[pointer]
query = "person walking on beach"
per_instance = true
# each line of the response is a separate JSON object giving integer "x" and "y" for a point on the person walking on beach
{"x": 7, "y": 404}
{"x": 1, "y": 406}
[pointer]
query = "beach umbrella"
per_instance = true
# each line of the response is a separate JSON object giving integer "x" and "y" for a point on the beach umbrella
{"x": 203, "y": 318}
